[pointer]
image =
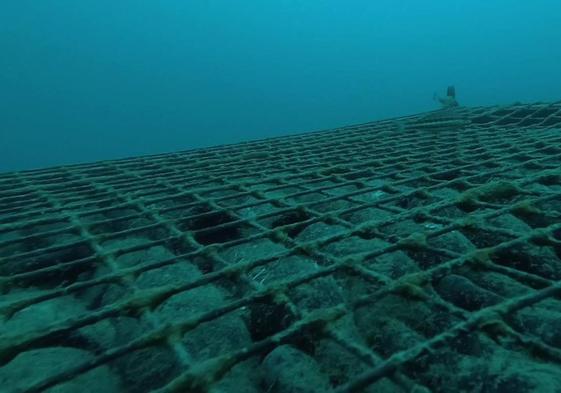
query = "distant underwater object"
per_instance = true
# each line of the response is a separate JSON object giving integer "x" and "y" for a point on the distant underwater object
{"x": 450, "y": 100}
{"x": 451, "y": 91}
{"x": 448, "y": 117}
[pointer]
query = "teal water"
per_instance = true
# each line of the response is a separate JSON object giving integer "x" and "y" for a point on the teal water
{"x": 92, "y": 80}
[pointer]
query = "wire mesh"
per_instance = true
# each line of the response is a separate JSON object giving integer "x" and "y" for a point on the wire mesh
{"x": 421, "y": 254}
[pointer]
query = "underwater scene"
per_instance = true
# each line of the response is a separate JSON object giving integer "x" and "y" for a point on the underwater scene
{"x": 213, "y": 197}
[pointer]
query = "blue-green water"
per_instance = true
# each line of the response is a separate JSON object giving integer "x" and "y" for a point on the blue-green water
{"x": 91, "y": 80}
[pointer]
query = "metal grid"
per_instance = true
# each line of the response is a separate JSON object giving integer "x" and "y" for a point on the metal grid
{"x": 398, "y": 255}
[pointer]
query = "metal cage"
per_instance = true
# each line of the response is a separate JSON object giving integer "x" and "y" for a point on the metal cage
{"x": 420, "y": 254}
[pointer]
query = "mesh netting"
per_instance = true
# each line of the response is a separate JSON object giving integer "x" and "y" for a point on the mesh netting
{"x": 415, "y": 254}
